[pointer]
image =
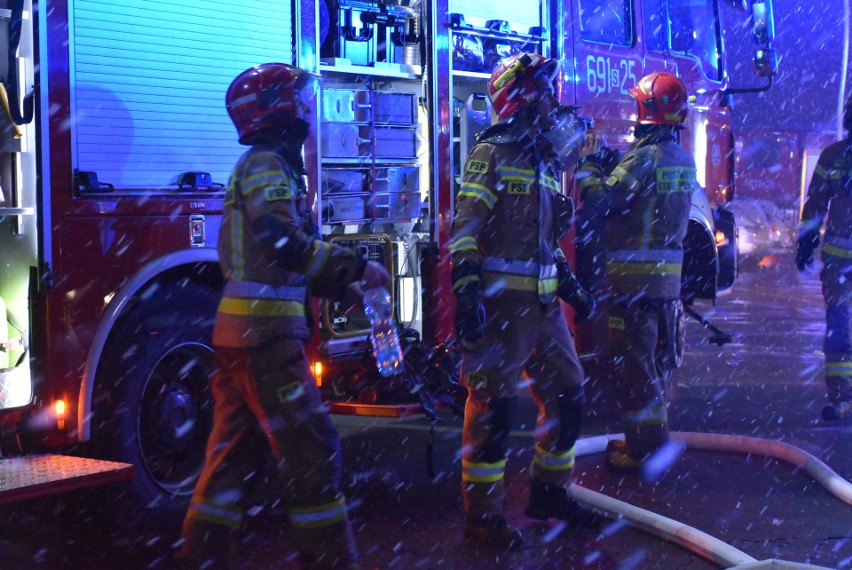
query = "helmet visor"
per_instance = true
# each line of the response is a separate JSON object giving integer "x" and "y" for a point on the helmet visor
{"x": 306, "y": 86}
{"x": 545, "y": 77}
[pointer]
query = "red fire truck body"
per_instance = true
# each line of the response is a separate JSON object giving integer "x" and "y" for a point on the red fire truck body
{"x": 112, "y": 194}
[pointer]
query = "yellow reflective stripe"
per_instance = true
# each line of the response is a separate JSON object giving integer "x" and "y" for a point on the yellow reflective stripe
{"x": 217, "y": 513}
{"x": 836, "y": 251}
{"x": 819, "y": 171}
{"x": 515, "y": 173}
{"x": 478, "y": 192}
{"x": 838, "y": 368}
{"x": 643, "y": 268}
{"x": 482, "y": 472}
{"x": 261, "y": 180}
{"x": 655, "y": 415}
{"x": 319, "y": 516}
{"x": 465, "y": 281}
{"x": 261, "y": 307}
{"x": 625, "y": 177}
{"x": 237, "y": 259}
{"x": 464, "y": 243}
{"x": 548, "y": 285}
{"x": 554, "y": 461}
{"x": 520, "y": 282}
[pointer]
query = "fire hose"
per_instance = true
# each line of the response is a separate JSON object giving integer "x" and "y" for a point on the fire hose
{"x": 693, "y": 539}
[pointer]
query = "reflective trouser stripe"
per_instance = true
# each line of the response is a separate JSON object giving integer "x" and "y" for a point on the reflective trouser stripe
{"x": 217, "y": 513}
{"x": 501, "y": 281}
{"x": 554, "y": 461}
{"x": 262, "y": 307}
{"x": 830, "y": 249}
{"x": 838, "y": 369}
{"x": 483, "y": 472}
{"x": 319, "y": 516}
{"x": 647, "y": 416}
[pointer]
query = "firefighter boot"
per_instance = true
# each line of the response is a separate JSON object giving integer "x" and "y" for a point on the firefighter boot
{"x": 619, "y": 459}
{"x": 837, "y": 411}
{"x": 553, "y": 502}
{"x": 494, "y": 531}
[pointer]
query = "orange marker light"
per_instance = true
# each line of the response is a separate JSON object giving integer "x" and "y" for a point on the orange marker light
{"x": 60, "y": 413}
{"x": 317, "y": 368}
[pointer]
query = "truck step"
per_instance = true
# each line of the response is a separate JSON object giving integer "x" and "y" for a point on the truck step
{"x": 23, "y": 478}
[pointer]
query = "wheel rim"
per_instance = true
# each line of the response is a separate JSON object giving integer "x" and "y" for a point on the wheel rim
{"x": 175, "y": 416}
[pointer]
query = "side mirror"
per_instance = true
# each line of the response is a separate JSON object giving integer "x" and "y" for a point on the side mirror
{"x": 763, "y": 32}
{"x": 763, "y": 23}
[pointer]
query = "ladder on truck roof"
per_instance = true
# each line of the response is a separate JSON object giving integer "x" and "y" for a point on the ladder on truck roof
{"x": 30, "y": 477}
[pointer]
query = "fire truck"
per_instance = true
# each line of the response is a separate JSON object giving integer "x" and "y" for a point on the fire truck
{"x": 116, "y": 147}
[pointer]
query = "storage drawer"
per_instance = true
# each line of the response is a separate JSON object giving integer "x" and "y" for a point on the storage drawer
{"x": 394, "y": 108}
{"x": 397, "y": 179}
{"x": 396, "y": 205}
{"x": 395, "y": 142}
{"x": 344, "y": 180}
{"x": 341, "y": 140}
{"x": 345, "y": 106}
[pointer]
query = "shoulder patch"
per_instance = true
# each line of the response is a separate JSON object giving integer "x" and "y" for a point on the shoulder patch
{"x": 517, "y": 187}
{"x": 284, "y": 191}
{"x": 476, "y": 166}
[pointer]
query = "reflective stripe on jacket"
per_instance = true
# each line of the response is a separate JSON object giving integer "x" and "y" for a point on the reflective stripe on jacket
{"x": 503, "y": 237}
{"x": 271, "y": 254}
{"x": 830, "y": 191}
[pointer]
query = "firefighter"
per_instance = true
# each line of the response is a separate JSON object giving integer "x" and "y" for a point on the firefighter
{"x": 831, "y": 191}
{"x": 508, "y": 273}
{"x": 644, "y": 204}
{"x": 265, "y": 395}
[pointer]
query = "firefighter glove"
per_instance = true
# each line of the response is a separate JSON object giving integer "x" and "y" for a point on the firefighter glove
{"x": 470, "y": 317}
{"x": 807, "y": 243}
{"x": 569, "y": 290}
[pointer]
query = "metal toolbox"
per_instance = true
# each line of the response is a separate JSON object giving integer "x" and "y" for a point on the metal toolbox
{"x": 345, "y": 106}
{"x": 337, "y": 209}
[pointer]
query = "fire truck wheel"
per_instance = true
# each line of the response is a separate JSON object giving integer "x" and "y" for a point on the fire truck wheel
{"x": 155, "y": 409}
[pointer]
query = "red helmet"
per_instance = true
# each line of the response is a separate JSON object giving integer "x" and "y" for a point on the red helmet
{"x": 519, "y": 81}
{"x": 661, "y": 99}
{"x": 268, "y": 95}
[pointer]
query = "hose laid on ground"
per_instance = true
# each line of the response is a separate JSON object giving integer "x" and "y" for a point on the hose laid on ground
{"x": 693, "y": 539}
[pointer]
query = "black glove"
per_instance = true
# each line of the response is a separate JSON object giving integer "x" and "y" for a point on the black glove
{"x": 805, "y": 246}
{"x": 609, "y": 160}
{"x": 570, "y": 291}
{"x": 470, "y": 317}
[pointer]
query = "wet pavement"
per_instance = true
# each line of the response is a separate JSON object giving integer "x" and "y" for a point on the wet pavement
{"x": 767, "y": 383}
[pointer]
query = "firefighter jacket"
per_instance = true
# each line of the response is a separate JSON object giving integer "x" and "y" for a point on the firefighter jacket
{"x": 507, "y": 220}
{"x": 830, "y": 191}
{"x": 271, "y": 254}
{"x": 645, "y": 203}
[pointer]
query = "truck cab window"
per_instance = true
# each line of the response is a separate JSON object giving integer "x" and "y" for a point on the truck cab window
{"x": 681, "y": 27}
{"x": 607, "y": 22}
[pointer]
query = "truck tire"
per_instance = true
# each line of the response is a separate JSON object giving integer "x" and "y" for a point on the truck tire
{"x": 154, "y": 408}
{"x": 670, "y": 349}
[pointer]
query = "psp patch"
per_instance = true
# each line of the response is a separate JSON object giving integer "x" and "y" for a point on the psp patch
{"x": 616, "y": 323}
{"x": 517, "y": 187}
{"x": 476, "y": 166}
{"x": 283, "y": 191}
{"x": 291, "y": 392}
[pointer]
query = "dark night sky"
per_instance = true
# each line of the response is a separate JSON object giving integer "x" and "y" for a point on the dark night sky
{"x": 809, "y": 42}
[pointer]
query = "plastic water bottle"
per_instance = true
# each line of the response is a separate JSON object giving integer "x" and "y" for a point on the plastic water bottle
{"x": 383, "y": 336}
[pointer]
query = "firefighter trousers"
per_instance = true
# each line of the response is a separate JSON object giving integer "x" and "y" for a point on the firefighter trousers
{"x": 836, "y": 279}
{"x": 266, "y": 399}
{"x": 519, "y": 337}
{"x": 634, "y": 333}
